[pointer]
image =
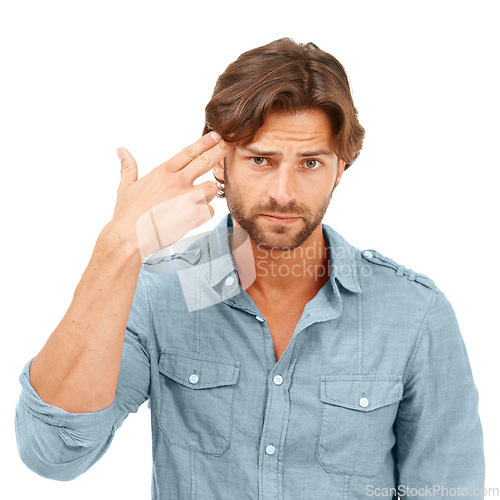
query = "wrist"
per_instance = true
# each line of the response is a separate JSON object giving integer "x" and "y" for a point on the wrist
{"x": 115, "y": 242}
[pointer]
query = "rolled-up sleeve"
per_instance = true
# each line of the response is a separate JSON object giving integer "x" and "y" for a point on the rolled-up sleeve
{"x": 439, "y": 438}
{"x": 60, "y": 445}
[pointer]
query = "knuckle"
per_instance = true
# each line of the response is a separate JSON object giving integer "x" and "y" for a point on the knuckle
{"x": 181, "y": 178}
{"x": 164, "y": 168}
{"x": 222, "y": 145}
{"x": 190, "y": 152}
{"x": 157, "y": 174}
{"x": 205, "y": 159}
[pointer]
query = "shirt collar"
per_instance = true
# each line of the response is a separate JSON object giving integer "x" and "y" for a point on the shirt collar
{"x": 343, "y": 266}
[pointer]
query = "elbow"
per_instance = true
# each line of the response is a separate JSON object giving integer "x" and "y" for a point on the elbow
{"x": 31, "y": 457}
{"x": 42, "y": 450}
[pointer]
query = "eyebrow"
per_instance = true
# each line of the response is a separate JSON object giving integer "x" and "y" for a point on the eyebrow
{"x": 256, "y": 152}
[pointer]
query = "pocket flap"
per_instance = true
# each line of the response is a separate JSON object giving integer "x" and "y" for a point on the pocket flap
{"x": 361, "y": 392}
{"x": 198, "y": 371}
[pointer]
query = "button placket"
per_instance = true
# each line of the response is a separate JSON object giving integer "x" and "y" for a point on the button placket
{"x": 270, "y": 449}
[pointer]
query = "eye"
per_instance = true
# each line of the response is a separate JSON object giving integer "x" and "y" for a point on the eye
{"x": 258, "y": 162}
{"x": 316, "y": 168}
{"x": 257, "y": 158}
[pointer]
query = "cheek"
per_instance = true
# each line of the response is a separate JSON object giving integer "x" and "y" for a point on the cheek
{"x": 241, "y": 173}
{"x": 329, "y": 180}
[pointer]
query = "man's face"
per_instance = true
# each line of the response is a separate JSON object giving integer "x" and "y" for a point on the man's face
{"x": 279, "y": 174}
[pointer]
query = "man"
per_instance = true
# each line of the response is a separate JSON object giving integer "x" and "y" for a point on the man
{"x": 279, "y": 361}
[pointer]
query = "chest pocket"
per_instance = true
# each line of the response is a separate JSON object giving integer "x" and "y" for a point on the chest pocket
{"x": 356, "y": 422}
{"x": 197, "y": 400}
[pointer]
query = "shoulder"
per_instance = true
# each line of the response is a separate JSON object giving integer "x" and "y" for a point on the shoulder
{"x": 388, "y": 268}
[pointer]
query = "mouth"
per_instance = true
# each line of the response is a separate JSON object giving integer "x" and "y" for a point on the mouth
{"x": 280, "y": 219}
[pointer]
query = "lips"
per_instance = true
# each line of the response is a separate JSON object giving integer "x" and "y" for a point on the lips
{"x": 282, "y": 216}
{"x": 280, "y": 220}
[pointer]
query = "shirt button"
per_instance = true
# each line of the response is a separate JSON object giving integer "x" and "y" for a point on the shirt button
{"x": 368, "y": 254}
{"x": 193, "y": 378}
{"x": 270, "y": 449}
{"x": 363, "y": 402}
{"x": 229, "y": 281}
{"x": 278, "y": 379}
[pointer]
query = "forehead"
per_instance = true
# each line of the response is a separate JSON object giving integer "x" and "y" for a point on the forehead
{"x": 308, "y": 126}
{"x": 301, "y": 132}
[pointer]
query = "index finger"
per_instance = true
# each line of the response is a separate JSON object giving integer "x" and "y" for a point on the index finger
{"x": 207, "y": 160}
{"x": 191, "y": 152}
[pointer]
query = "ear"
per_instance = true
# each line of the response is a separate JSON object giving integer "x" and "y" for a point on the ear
{"x": 340, "y": 171}
{"x": 218, "y": 170}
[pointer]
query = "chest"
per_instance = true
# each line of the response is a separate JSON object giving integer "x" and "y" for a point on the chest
{"x": 281, "y": 333}
{"x": 282, "y": 323}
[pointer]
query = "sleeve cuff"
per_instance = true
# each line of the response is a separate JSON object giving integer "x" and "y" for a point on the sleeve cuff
{"x": 96, "y": 424}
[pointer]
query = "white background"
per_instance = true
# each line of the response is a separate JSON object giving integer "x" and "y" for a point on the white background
{"x": 80, "y": 79}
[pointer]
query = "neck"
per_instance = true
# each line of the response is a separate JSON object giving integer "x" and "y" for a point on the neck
{"x": 300, "y": 271}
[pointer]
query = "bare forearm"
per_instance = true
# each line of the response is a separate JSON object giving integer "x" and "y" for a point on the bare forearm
{"x": 78, "y": 367}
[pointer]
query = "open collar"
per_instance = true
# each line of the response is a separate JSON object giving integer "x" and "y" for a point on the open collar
{"x": 343, "y": 265}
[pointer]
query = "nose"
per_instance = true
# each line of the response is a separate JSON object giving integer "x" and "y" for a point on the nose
{"x": 282, "y": 185}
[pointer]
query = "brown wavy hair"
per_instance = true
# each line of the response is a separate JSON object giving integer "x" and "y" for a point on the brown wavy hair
{"x": 283, "y": 76}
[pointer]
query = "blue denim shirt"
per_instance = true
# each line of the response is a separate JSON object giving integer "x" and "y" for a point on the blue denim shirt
{"x": 373, "y": 392}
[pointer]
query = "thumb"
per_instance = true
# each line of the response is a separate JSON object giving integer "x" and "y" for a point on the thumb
{"x": 129, "y": 167}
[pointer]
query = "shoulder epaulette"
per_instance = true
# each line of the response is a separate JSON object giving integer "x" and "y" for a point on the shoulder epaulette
{"x": 400, "y": 270}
